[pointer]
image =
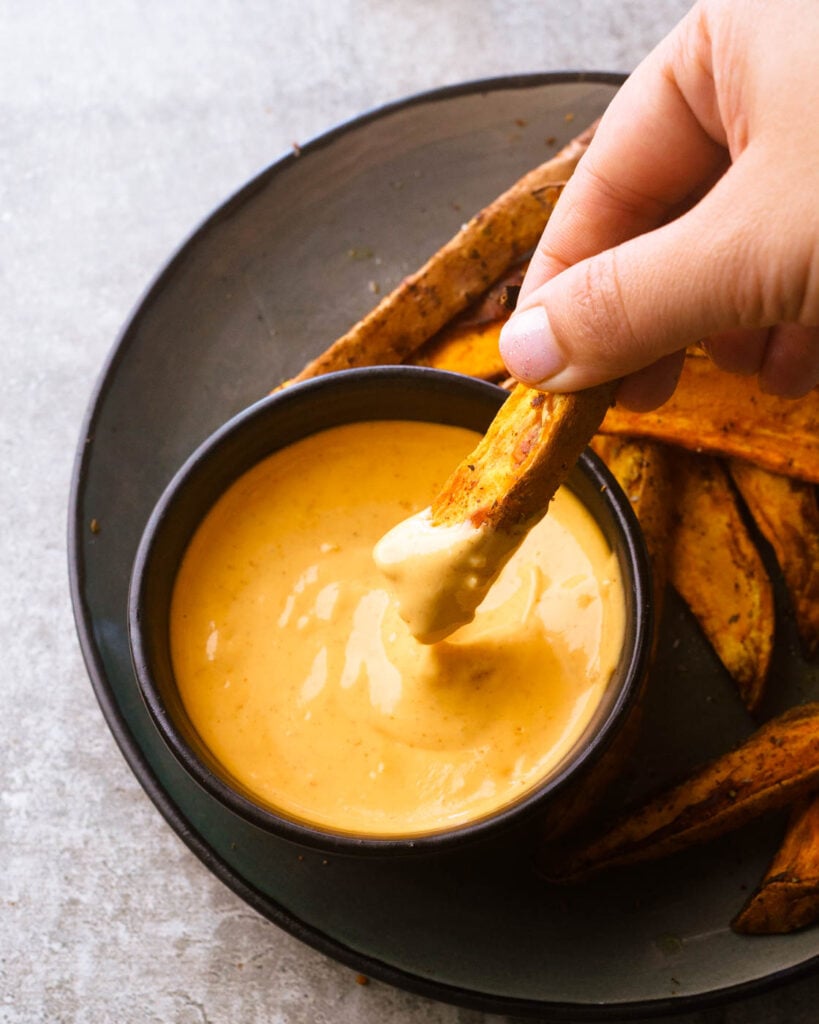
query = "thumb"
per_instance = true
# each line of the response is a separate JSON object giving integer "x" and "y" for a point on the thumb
{"x": 625, "y": 309}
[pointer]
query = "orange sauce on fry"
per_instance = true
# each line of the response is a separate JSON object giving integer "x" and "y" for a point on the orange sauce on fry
{"x": 303, "y": 680}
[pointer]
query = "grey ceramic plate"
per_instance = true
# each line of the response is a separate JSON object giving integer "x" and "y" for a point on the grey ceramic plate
{"x": 277, "y": 272}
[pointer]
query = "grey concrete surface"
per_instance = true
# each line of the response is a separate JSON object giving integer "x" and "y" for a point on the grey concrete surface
{"x": 122, "y": 123}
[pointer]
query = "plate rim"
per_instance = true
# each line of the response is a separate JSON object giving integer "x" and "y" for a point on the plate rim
{"x": 265, "y": 905}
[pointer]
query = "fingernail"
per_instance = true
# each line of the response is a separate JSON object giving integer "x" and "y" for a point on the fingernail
{"x": 528, "y": 347}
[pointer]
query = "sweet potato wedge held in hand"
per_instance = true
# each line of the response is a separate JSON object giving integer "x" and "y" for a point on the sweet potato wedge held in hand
{"x": 487, "y": 506}
{"x": 775, "y": 767}
{"x": 531, "y": 445}
{"x": 492, "y": 242}
{"x": 788, "y": 897}
{"x": 787, "y": 514}
{"x": 716, "y": 568}
{"x": 729, "y": 415}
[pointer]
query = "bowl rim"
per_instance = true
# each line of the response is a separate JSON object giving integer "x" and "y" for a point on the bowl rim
{"x": 336, "y": 841}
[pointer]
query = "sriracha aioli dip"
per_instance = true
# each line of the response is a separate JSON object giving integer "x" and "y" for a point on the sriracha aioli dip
{"x": 307, "y": 686}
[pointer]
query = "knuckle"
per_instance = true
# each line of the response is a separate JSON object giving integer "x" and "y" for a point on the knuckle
{"x": 601, "y": 310}
{"x": 776, "y": 275}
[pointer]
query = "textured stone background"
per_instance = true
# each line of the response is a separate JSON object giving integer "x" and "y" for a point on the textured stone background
{"x": 122, "y": 123}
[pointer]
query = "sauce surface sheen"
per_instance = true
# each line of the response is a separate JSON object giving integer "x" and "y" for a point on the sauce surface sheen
{"x": 304, "y": 682}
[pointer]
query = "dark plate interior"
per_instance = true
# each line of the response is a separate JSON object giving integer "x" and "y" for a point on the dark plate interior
{"x": 276, "y": 273}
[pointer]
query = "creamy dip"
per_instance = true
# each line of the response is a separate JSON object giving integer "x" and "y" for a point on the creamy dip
{"x": 441, "y": 574}
{"x": 307, "y": 686}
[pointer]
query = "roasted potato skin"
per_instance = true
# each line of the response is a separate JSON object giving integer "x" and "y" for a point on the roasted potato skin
{"x": 787, "y": 515}
{"x": 469, "y": 343}
{"x": 776, "y": 766}
{"x": 716, "y": 568}
{"x": 740, "y": 420}
{"x": 788, "y": 896}
{"x": 643, "y": 469}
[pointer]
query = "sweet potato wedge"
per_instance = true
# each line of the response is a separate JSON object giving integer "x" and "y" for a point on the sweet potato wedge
{"x": 643, "y": 470}
{"x": 729, "y": 415}
{"x": 493, "y": 241}
{"x": 468, "y": 344}
{"x": 496, "y": 305}
{"x": 787, "y": 514}
{"x": 716, "y": 568}
{"x": 788, "y": 896}
{"x": 471, "y": 349}
{"x": 775, "y": 767}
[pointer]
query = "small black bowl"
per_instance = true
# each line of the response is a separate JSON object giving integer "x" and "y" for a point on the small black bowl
{"x": 376, "y": 393}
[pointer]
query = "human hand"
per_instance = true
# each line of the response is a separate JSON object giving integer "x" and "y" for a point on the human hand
{"x": 694, "y": 216}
